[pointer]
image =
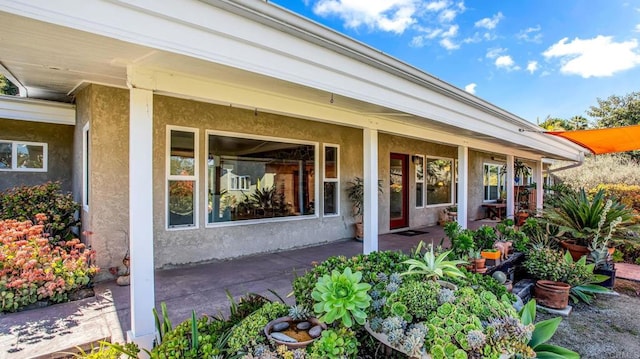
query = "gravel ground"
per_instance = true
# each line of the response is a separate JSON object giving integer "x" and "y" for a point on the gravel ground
{"x": 609, "y": 328}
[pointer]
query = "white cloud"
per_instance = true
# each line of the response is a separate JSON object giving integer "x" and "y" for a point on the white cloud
{"x": 507, "y": 63}
{"x": 448, "y": 44}
{"x": 531, "y": 34}
{"x": 638, "y": 28}
{"x": 386, "y": 15}
{"x": 436, "y": 5}
{"x": 495, "y": 52}
{"x": 448, "y": 15}
{"x": 489, "y": 23}
{"x": 471, "y": 88}
{"x": 597, "y": 57}
{"x": 532, "y": 66}
{"x": 452, "y": 32}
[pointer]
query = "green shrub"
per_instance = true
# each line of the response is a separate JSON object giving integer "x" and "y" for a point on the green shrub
{"x": 24, "y": 203}
{"x": 108, "y": 351}
{"x": 179, "y": 342}
{"x": 335, "y": 344}
{"x": 485, "y": 237}
{"x": 33, "y": 268}
{"x": 249, "y": 331}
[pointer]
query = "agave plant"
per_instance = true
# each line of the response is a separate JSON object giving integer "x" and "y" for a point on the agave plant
{"x": 432, "y": 266}
{"x": 342, "y": 296}
{"x": 543, "y": 331}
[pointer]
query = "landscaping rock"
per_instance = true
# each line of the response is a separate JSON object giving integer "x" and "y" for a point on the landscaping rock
{"x": 315, "y": 331}
{"x": 303, "y": 325}
{"x": 278, "y": 327}
{"x": 81, "y": 294}
{"x": 283, "y": 337}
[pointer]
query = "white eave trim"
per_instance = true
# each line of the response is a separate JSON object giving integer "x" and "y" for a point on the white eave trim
{"x": 20, "y": 108}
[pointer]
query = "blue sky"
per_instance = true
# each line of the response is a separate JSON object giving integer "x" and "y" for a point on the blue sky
{"x": 534, "y": 58}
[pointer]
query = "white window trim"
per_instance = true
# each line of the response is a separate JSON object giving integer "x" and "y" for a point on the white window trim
{"x": 86, "y": 165}
{"x": 424, "y": 175}
{"x": 426, "y": 194}
{"x": 265, "y": 138}
{"x": 14, "y": 156}
{"x": 483, "y": 189}
{"x": 334, "y": 180}
{"x": 170, "y": 177}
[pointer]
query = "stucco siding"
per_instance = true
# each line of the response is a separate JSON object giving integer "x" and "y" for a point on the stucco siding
{"x": 59, "y": 140}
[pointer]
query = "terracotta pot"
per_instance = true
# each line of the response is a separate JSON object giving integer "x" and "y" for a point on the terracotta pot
{"x": 576, "y": 250}
{"x": 509, "y": 285}
{"x": 478, "y": 263}
{"x": 359, "y": 230}
{"x": 552, "y": 294}
{"x": 491, "y": 255}
{"x": 611, "y": 250}
{"x": 521, "y": 218}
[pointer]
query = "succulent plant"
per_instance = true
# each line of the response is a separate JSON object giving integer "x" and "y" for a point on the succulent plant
{"x": 342, "y": 296}
{"x": 335, "y": 344}
{"x": 299, "y": 313}
{"x": 476, "y": 339}
{"x": 434, "y": 267}
{"x": 446, "y": 295}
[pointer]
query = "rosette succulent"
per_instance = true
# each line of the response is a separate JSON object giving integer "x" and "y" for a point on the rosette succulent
{"x": 342, "y": 296}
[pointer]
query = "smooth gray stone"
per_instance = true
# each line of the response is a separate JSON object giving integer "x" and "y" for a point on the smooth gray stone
{"x": 283, "y": 337}
{"x": 303, "y": 325}
{"x": 278, "y": 327}
{"x": 315, "y": 331}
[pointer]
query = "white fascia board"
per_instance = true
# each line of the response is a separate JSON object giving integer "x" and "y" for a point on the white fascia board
{"x": 20, "y": 108}
{"x": 173, "y": 84}
{"x": 208, "y": 32}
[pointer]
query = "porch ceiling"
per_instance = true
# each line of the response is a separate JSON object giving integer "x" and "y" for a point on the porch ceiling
{"x": 55, "y": 61}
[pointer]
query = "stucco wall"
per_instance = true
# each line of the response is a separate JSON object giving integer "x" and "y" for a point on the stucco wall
{"x": 388, "y": 144}
{"x": 200, "y": 244}
{"x": 476, "y": 183}
{"x": 59, "y": 139}
{"x": 107, "y": 111}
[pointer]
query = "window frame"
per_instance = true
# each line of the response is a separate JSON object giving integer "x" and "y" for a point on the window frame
{"x": 418, "y": 181}
{"x": 86, "y": 166}
{"x": 452, "y": 184}
{"x": 195, "y": 177}
{"x": 316, "y": 181}
{"x": 14, "y": 156}
{"x": 329, "y": 179}
{"x": 500, "y": 182}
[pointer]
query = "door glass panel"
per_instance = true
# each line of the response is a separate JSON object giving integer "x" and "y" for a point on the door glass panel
{"x": 395, "y": 189}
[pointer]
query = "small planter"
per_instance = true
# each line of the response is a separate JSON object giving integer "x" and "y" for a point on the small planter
{"x": 521, "y": 218}
{"x": 490, "y": 255}
{"x": 303, "y": 337}
{"x": 576, "y": 250}
{"x": 359, "y": 231}
{"x": 479, "y": 263}
{"x": 611, "y": 273}
{"x": 552, "y": 294}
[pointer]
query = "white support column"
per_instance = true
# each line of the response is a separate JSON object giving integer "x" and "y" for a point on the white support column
{"x": 141, "y": 217}
{"x": 463, "y": 185}
{"x": 508, "y": 182}
{"x": 370, "y": 216}
{"x": 539, "y": 179}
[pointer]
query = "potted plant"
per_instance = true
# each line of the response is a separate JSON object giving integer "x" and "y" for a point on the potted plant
{"x": 355, "y": 192}
{"x": 477, "y": 261}
{"x": 492, "y": 253}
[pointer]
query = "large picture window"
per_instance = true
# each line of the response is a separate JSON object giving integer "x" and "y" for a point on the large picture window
{"x": 439, "y": 180}
{"x": 493, "y": 181}
{"x": 253, "y": 178}
{"x": 331, "y": 183}
{"x": 23, "y": 156}
{"x": 182, "y": 177}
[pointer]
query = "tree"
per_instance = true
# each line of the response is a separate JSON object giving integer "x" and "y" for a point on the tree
{"x": 617, "y": 111}
{"x": 559, "y": 124}
{"x": 6, "y": 87}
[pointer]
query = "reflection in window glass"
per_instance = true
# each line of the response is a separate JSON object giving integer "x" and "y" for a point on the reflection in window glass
{"x": 331, "y": 198}
{"x": 182, "y": 153}
{"x": 256, "y": 179}
{"x": 493, "y": 181}
{"x": 30, "y": 156}
{"x": 439, "y": 180}
{"x": 181, "y": 203}
{"x": 418, "y": 162}
{"x": 330, "y": 162}
{"x": 5, "y": 155}
{"x": 419, "y": 194}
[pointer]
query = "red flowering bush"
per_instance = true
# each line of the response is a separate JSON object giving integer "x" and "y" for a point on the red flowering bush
{"x": 32, "y": 268}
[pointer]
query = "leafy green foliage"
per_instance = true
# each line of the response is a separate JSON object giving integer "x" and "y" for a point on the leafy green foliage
{"x": 7, "y": 87}
{"x": 485, "y": 237}
{"x": 249, "y": 330}
{"x": 162, "y": 326}
{"x": 543, "y": 331}
{"x": 616, "y": 111}
{"x": 194, "y": 338}
{"x": 418, "y": 298}
{"x": 24, "y": 203}
{"x": 434, "y": 267}
{"x": 342, "y": 297}
{"x": 335, "y": 344}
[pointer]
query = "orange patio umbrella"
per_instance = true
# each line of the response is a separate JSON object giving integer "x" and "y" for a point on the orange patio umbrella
{"x": 604, "y": 140}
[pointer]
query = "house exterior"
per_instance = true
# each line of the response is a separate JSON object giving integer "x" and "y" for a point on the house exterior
{"x": 215, "y": 129}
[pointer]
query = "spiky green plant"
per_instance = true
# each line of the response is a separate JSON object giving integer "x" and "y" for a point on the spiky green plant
{"x": 298, "y": 312}
{"x": 342, "y": 296}
{"x": 434, "y": 267}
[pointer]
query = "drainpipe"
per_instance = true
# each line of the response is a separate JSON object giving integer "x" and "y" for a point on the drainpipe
{"x": 573, "y": 165}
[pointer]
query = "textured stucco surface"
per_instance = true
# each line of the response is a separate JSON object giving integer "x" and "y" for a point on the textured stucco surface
{"x": 388, "y": 144}
{"x": 201, "y": 244}
{"x": 107, "y": 111}
{"x": 59, "y": 139}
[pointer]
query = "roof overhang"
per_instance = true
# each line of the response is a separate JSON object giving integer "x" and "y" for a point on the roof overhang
{"x": 256, "y": 47}
{"x": 20, "y": 108}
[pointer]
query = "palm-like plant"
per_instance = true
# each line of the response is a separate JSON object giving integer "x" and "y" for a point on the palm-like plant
{"x": 580, "y": 217}
{"x": 432, "y": 266}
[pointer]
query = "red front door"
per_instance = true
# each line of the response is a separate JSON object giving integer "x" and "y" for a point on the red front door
{"x": 399, "y": 191}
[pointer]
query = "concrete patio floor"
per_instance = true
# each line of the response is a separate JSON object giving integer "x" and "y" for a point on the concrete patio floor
{"x": 40, "y": 333}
